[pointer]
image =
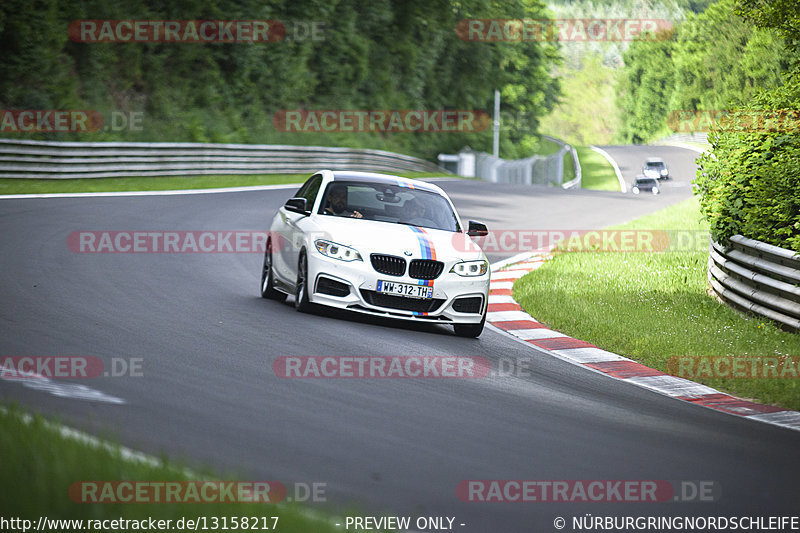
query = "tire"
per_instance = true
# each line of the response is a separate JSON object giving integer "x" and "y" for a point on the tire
{"x": 268, "y": 290}
{"x": 470, "y": 330}
{"x": 301, "y": 301}
{"x": 635, "y": 190}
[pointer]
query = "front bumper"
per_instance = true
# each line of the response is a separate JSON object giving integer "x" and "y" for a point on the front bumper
{"x": 361, "y": 280}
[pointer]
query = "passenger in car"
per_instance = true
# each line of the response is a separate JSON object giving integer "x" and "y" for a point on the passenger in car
{"x": 413, "y": 209}
{"x": 337, "y": 203}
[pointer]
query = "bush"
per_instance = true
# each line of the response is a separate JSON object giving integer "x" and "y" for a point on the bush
{"x": 749, "y": 183}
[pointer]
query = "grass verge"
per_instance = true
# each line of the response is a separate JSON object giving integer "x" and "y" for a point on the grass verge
{"x": 158, "y": 183}
{"x": 596, "y": 172}
{"x": 547, "y": 147}
{"x": 40, "y": 464}
{"x": 651, "y": 307}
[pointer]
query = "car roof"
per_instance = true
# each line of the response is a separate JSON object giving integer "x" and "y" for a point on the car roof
{"x": 654, "y": 160}
{"x": 374, "y": 177}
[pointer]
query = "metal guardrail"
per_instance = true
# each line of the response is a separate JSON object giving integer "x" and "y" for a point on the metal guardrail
{"x": 62, "y": 160}
{"x": 537, "y": 169}
{"x": 698, "y": 137}
{"x": 757, "y": 277}
{"x": 574, "y": 183}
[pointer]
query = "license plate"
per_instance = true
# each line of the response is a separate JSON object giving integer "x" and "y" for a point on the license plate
{"x": 405, "y": 289}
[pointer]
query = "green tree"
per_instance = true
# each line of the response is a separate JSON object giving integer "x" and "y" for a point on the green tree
{"x": 722, "y": 59}
{"x": 748, "y": 183}
{"x": 374, "y": 54}
{"x": 645, "y": 88}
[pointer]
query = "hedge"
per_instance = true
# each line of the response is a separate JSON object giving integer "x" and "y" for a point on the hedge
{"x": 749, "y": 183}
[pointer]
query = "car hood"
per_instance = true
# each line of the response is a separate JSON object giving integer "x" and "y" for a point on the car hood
{"x": 369, "y": 236}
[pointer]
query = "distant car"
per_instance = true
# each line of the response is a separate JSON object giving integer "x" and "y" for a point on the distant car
{"x": 656, "y": 168}
{"x": 644, "y": 184}
{"x": 380, "y": 245}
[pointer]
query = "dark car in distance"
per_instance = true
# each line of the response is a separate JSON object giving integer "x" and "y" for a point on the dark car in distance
{"x": 645, "y": 184}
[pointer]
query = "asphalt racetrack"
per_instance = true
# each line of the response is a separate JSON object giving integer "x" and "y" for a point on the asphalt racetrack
{"x": 208, "y": 393}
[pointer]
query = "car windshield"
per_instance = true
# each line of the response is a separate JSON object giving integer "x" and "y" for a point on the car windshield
{"x": 389, "y": 203}
{"x": 648, "y": 181}
{"x": 655, "y": 165}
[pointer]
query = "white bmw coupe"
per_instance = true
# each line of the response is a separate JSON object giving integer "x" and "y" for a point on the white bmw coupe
{"x": 380, "y": 245}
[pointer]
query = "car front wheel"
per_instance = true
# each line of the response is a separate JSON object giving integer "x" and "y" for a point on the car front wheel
{"x": 267, "y": 283}
{"x": 301, "y": 301}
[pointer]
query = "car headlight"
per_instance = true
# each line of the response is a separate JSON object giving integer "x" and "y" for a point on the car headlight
{"x": 337, "y": 251}
{"x": 664, "y": 172}
{"x": 470, "y": 268}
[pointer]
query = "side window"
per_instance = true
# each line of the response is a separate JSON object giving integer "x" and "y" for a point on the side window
{"x": 303, "y": 188}
{"x": 310, "y": 194}
{"x": 309, "y": 190}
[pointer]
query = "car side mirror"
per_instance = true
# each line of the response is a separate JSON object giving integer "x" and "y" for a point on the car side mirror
{"x": 296, "y": 205}
{"x": 477, "y": 229}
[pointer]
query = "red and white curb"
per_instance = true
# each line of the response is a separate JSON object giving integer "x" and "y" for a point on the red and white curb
{"x": 506, "y": 314}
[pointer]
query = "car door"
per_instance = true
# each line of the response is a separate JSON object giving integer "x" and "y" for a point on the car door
{"x": 290, "y": 228}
